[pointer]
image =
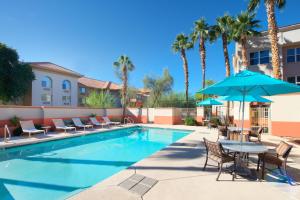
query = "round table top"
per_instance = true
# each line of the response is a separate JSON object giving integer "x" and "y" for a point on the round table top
{"x": 243, "y": 147}
{"x": 233, "y": 128}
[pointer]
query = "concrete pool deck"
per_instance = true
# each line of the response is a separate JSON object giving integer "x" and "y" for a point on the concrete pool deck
{"x": 178, "y": 169}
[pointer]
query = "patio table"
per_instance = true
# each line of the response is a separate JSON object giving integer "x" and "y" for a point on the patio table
{"x": 237, "y": 129}
{"x": 244, "y": 148}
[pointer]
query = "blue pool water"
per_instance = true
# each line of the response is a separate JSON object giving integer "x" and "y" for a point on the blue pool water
{"x": 57, "y": 169}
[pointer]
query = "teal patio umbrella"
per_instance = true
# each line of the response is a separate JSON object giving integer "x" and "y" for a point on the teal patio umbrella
{"x": 247, "y": 98}
{"x": 250, "y": 83}
{"x": 209, "y": 102}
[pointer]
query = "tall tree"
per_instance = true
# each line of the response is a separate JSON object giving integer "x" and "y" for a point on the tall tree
{"x": 122, "y": 67}
{"x": 181, "y": 44}
{"x": 15, "y": 77}
{"x": 272, "y": 29}
{"x": 223, "y": 29}
{"x": 201, "y": 34}
{"x": 158, "y": 86}
{"x": 244, "y": 27}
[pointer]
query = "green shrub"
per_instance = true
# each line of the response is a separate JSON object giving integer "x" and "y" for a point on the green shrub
{"x": 190, "y": 121}
{"x": 92, "y": 115}
{"x": 17, "y": 131}
{"x": 15, "y": 120}
{"x": 215, "y": 121}
{"x": 68, "y": 122}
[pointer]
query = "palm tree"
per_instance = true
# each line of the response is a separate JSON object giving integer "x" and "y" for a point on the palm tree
{"x": 122, "y": 67}
{"x": 272, "y": 29}
{"x": 181, "y": 44}
{"x": 201, "y": 33}
{"x": 244, "y": 27}
{"x": 223, "y": 29}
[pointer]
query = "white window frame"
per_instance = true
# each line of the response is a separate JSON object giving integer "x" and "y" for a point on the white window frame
{"x": 259, "y": 57}
{"x": 296, "y": 81}
{"x": 46, "y": 102}
{"x": 295, "y": 55}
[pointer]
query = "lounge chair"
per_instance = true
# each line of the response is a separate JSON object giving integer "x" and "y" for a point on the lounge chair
{"x": 28, "y": 127}
{"x": 215, "y": 152}
{"x": 107, "y": 120}
{"x": 77, "y": 122}
{"x": 277, "y": 157}
{"x": 60, "y": 125}
{"x": 95, "y": 122}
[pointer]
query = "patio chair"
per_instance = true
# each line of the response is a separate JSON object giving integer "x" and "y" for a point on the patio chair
{"x": 60, "y": 125}
{"x": 222, "y": 131}
{"x": 277, "y": 156}
{"x": 28, "y": 127}
{"x": 255, "y": 134}
{"x": 95, "y": 122}
{"x": 215, "y": 152}
{"x": 77, "y": 122}
{"x": 107, "y": 120}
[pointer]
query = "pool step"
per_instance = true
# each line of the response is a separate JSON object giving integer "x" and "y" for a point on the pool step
{"x": 138, "y": 184}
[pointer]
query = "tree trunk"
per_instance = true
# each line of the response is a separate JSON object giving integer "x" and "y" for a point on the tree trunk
{"x": 227, "y": 65}
{"x": 186, "y": 75}
{"x": 124, "y": 91}
{"x": 203, "y": 59}
{"x": 272, "y": 29}
{"x": 244, "y": 52}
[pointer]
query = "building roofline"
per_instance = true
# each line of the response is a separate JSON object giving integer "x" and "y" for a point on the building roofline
{"x": 285, "y": 28}
{"x": 68, "y": 71}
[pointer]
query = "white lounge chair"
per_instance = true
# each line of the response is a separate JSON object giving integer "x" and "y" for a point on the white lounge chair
{"x": 95, "y": 122}
{"x": 77, "y": 122}
{"x": 107, "y": 120}
{"x": 60, "y": 125}
{"x": 28, "y": 127}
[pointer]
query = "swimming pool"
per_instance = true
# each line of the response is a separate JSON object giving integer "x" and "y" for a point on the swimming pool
{"x": 57, "y": 169}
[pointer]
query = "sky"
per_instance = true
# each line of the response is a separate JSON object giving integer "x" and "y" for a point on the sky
{"x": 87, "y": 36}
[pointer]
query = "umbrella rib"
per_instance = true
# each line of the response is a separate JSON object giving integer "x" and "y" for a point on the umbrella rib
{"x": 268, "y": 94}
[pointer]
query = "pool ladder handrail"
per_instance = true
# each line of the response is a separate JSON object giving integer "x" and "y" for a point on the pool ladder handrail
{"x": 6, "y": 131}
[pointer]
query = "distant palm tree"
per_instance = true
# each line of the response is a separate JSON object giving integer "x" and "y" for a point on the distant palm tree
{"x": 201, "y": 33}
{"x": 181, "y": 44}
{"x": 272, "y": 29}
{"x": 244, "y": 27}
{"x": 224, "y": 30}
{"x": 122, "y": 67}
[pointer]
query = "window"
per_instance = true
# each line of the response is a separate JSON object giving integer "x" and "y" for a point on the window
{"x": 66, "y": 100}
{"x": 66, "y": 85}
{"x": 82, "y": 90}
{"x": 254, "y": 58}
{"x": 46, "y": 99}
{"x": 293, "y": 55}
{"x": 82, "y": 101}
{"x": 260, "y": 57}
{"x": 47, "y": 82}
{"x": 294, "y": 79}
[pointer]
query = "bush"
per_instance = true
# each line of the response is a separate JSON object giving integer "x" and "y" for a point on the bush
{"x": 92, "y": 115}
{"x": 68, "y": 122}
{"x": 190, "y": 121}
{"x": 215, "y": 121}
{"x": 17, "y": 131}
{"x": 15, "y": 120}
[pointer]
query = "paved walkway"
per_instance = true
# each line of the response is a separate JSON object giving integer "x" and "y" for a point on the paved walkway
{"x": 178, "y": 169}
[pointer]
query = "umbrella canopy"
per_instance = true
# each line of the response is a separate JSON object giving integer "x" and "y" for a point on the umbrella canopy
{"x": 209, "y": 102}
{"x": 247, "y": 98}
{"x": 250, "y": 83}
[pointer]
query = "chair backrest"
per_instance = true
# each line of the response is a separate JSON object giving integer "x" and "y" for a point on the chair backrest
{"x": 58, "y": 122}
{"x": 106, "y": 119}
{"x": 283, "y": 149}
{"x": 214, "y": 148}
{"x": 94, "y": 120}
{"x": 77, "y": 122}
{"x": 27, "y": 125}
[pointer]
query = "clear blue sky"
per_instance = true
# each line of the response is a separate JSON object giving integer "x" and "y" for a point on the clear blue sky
{"x": 87, "y": 36}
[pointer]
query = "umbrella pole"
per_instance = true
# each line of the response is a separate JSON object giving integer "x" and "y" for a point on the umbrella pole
{"x": 243, "y": 113}
{"x": 240, "y": 105}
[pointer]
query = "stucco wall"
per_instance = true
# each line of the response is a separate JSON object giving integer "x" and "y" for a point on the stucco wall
{"x": 57, "y": 91}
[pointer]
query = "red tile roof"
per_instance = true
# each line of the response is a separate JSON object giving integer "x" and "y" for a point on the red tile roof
{"x": 53, "y": 68}
{"x": 93, "y": 83}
